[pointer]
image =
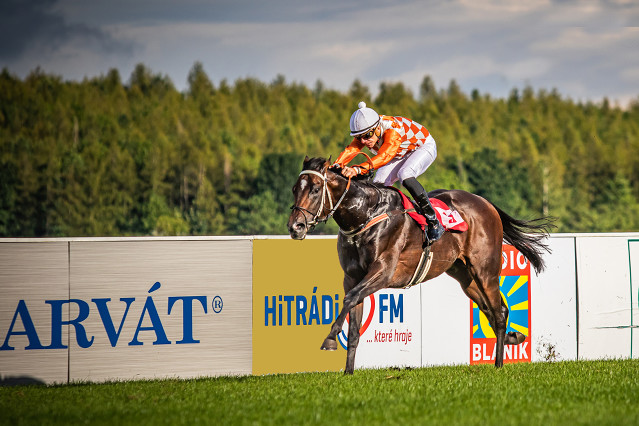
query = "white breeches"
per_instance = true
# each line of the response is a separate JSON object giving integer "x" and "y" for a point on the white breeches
{"x": 412, "y": 164}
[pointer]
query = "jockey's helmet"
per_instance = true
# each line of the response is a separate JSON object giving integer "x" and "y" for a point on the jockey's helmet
{"x": 363, "y": 119}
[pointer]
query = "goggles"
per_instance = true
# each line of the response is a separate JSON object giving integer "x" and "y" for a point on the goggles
{"x": 367, "y": 135}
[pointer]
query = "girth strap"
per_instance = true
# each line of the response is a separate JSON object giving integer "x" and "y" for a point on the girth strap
{"x": 422, "y": 267}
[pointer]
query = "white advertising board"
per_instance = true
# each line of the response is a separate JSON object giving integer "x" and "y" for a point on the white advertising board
{"x": 392, "y": 330}
{"x": 32, "y": 277}
{"x": 603, "y": 272}
{"x": 151, "y": 309}
{"x": 633, "y": 253}
{"x": 554, "y": 298}
{"x": 445, "y": 322}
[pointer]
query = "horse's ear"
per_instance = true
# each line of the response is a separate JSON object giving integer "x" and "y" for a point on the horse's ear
{"x": 329, "y": 159}
{"x": 327, "y": 164}
{"x": 306, "y": 159}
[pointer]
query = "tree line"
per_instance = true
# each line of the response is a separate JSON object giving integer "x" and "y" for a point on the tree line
{"x": 105, "y": 158}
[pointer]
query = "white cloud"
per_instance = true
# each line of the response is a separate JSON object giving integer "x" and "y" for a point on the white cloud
{"x": 581, "y": 39}
{"x": 498, "y": 9}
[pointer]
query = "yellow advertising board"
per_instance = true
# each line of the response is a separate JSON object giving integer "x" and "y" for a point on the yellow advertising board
{"x": 297, "y": 294}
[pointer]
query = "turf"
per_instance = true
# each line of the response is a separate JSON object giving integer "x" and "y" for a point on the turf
{"x": 584, "y": 392}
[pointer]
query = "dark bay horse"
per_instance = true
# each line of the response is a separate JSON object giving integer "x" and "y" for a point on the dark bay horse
{"x": 387, "y": 254}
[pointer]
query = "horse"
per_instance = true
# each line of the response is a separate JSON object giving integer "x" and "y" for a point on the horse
{"x": 387, "y": 253}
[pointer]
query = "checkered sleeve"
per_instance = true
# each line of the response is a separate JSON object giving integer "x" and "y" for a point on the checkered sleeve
{"x": 388, "y": 150}
{"x": 350, "y": 152}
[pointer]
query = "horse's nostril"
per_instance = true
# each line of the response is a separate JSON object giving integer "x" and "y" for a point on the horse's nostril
{"x": 298, "y": 226}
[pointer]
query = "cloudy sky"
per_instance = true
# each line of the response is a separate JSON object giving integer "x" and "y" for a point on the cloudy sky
{"x": 587, "y": 49}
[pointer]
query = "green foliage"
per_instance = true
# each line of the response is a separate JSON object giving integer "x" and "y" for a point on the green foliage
{"x": 260, "y": 215}
{"x": 506, "y": 185}
{"x": 103, "y": 157}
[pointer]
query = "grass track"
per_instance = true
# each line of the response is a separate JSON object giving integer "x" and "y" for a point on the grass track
{"x": 592, "y": 392}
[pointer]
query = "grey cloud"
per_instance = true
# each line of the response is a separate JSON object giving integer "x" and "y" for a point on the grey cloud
{"x": 235, "y": 11}
{"x": 583, "y": 48}
{"x": 27, "y": 25}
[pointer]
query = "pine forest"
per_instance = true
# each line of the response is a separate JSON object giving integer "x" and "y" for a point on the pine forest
{"x": 135, "y": 157}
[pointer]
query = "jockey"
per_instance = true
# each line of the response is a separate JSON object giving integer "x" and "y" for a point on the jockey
{"x": 403, "y": 150}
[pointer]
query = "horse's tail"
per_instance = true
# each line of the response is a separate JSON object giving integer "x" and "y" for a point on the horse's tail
{"x": 527, "y": 236}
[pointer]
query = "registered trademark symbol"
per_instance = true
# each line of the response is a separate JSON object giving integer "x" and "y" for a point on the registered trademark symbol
{"x": 217, "y": 304}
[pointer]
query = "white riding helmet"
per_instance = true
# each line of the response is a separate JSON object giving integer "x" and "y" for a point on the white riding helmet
{"x": 363, "y": 119}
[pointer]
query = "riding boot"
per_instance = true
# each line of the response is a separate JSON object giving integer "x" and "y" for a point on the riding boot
{"x": 435, "y": 229}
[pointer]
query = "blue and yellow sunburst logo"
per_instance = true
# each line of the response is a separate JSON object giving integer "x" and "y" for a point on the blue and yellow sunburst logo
{"x": 514, "y": 291}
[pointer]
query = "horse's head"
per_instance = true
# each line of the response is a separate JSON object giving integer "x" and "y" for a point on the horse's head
{"x": 312, "y": 198}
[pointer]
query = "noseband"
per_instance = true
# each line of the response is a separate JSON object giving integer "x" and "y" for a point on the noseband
{"x": 310, "y": 225}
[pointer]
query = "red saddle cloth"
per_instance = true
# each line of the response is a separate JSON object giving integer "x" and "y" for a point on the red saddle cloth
{"x": 450, "y": 219}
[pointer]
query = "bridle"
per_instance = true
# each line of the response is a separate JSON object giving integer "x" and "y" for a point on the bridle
{"x": 310, "y": 225}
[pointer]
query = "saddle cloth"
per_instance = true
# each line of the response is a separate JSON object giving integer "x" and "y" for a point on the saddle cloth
{"x": 450, "y": 219}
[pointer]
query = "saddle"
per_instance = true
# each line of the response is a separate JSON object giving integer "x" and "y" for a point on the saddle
{"x": 450, "y": 219}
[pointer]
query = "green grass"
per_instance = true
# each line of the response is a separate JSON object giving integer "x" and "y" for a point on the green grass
{"x": 593, "y": 392}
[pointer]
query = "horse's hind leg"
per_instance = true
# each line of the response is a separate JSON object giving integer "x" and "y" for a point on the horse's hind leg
{"x": 513, "y": 337}
{"x": 493, "y": 295}
{"x": 354, "y": 324}
{"x": 484, "y": 291}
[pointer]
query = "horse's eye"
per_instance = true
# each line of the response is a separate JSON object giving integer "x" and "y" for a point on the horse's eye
{"x": 315, "y": 191}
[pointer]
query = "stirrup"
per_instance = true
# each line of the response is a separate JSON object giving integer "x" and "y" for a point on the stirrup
{"x": 433, "y": 232}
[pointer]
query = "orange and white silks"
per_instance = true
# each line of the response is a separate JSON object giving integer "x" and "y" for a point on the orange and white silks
{"x": 399, "y": 136}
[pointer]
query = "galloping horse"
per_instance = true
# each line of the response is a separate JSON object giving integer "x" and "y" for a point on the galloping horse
{"x": 387, "y": 254}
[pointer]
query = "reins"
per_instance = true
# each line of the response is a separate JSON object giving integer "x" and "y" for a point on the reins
{"x": 374, "y": 221}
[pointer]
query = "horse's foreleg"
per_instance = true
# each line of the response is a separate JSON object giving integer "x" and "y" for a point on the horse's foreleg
{"x": 373, "y": 281}
{"x": 354, "y": 325}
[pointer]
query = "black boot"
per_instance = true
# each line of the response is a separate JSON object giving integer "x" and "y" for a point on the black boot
{"x": 435, "y": 229}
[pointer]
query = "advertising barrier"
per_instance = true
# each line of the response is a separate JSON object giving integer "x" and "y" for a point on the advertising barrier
{"x": 106, "y": 308}
{"x": 163, "y": 309}
{"x": 32, "y": 276}
{"x": 391, "y": 330}
{"x": 514, "y": 285}
{"x": 607, "y": 310}
{"x": 633, "y": 254}
{"x": 297, "y": 294}
{"x": 445, "y": 322}
{"x": 554, "y": 297}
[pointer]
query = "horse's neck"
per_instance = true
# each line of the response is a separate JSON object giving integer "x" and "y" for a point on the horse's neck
{"x": 361, "y": 203}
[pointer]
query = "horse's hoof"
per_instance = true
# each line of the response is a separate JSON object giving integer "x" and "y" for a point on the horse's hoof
{"x": 329, "y": 345}
{"x": 514, "y": 338}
